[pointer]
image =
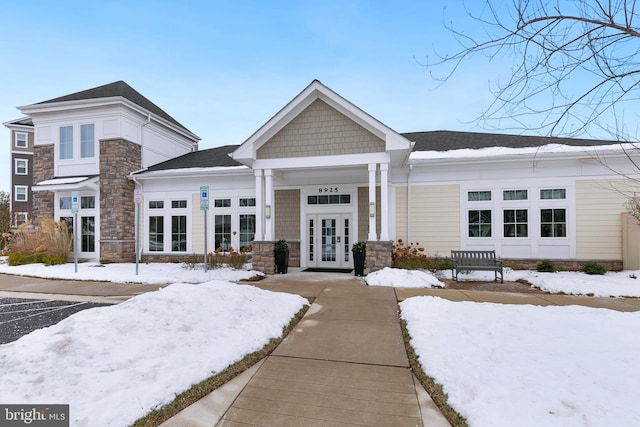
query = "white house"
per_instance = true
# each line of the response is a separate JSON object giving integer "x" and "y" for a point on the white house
{"x": 88, "y": 143}
{"x": 323, "y": 174}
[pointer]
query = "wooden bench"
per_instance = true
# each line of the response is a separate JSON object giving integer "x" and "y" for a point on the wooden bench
{"x": 475, "y": 261}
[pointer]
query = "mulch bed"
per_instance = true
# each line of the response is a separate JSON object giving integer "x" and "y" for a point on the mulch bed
{"x": 492, "y": 286}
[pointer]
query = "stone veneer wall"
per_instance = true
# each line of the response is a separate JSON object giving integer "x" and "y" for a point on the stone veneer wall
{"x": 43, "y": 201}
{"x": 378, "y": 256}
{"x": 263, "y": 257}
{"x": 118, "y": 158}
{"x": 264, "y": 260}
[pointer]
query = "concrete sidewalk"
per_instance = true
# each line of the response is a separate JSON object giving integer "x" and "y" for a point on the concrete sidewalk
{"x": 344, "y": 364}
{"x": 70, "y": 290}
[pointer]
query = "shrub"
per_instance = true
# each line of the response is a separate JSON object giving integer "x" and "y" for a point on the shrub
{"x": 594, "y": 268}
{"x": 233, "y": 259}
{"x": 16, "y": 258}
{"x": 546, "y": 266}
{"x": 412, "y": 257}
{"x": 236, "y": 260}
{"x": 281, "y": 246}
{"x": 54, "y": 259}
{"x": 51, "y": 243}
{"x": 360, "y": 247}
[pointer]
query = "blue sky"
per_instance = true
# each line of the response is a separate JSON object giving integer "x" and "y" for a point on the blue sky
{"x": 223, "y": 69}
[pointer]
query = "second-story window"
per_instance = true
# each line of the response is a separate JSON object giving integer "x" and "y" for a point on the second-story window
{"x": 22, "y": 167}
{"x": 87, "y": 141}
{"x": 21, "y": 140}
{"x": 66, "y": 142}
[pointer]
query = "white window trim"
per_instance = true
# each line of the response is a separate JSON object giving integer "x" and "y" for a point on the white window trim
{"x": 15, "y": 217}
{"x": 80, "y": 139}
{"x": 26, "y": 140}
{"x": 26, "y": 193}
{"x": 26, "y": 167}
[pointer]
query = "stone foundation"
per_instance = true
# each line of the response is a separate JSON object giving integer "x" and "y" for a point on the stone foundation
{"x": 117, "y": 250}
{"x": 378, "y": 256}
{"x": 562, "y": 264}
{"x": 264, "y": 260}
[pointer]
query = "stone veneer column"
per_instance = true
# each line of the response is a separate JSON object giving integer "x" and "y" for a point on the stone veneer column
{"x": 118, "y": 158}
{"x": 42, "y": 201}
{"x": 263, "y": 258}
{"x": 378, "y": 256}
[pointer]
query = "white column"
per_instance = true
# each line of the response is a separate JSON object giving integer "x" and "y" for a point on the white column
{"x": 373, "y": 233}
{"x": 384, "y": 201}
{"x": 259, "y": 207}
{"x": 268, "y": 201}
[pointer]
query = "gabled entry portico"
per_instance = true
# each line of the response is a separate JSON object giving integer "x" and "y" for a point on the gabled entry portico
{"x": 321, "y": 168}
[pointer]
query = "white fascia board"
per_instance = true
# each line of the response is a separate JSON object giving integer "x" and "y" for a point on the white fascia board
{"x": 11, "y": 124}
{"x": 192, "y": 172}
{"x": 322, "y": 161}
{"x": 104, "y": 102}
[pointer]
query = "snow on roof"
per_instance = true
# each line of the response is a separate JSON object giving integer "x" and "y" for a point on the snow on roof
{"x": 191, "y": 171}
{"x": 58, "y": 181}
{"x": 509, "y": 151}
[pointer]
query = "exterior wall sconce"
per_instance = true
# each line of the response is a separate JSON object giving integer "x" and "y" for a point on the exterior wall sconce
{"x": 372, "y": 209}
{"x": 267, "y": 211}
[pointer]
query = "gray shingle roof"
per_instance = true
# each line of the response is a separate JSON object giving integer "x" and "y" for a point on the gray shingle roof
{"x": 451, "y": 140}
{"x": 211, "y": 157}
{"x": 119, "y": 88}
{"x": 425, "y": 141}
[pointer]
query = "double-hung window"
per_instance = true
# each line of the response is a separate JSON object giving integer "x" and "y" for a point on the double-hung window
{"x": 21, "y": 194}
{"x": 22, "y": 166}
{"x": 515, "y": 222}
{"x": 21, "y": 140}
{"x": 66, "y": 143}
{"x": 87, "y": 141}
{"x": 553, "y": 219}
{"x": 479, "y": 221}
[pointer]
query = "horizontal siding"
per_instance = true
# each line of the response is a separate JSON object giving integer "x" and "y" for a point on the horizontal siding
{"x": 598, "y": 219}
{"x": 435, "y": 218}
{"x": 401, "y": 213}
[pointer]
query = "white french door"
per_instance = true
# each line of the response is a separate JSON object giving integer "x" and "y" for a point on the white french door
{"x": 329, "y": 240}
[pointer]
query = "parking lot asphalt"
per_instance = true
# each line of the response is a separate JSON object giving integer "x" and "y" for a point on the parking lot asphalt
{"x": 30, "y": 303}
{"x": 20, "y": 316}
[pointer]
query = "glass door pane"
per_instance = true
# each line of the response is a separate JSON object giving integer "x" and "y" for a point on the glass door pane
{"x": 88, "y": 236}
{"x": 329, "y": 239}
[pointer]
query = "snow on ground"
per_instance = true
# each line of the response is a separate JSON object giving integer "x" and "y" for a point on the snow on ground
{"x": 155, "y": 273}
{"x": 403, "y": 278}
{"x": 115, "y": 364}
{"x": 500, "y": 364}
{"x": 505, "y": 365}
{"x": 614, "y": 283}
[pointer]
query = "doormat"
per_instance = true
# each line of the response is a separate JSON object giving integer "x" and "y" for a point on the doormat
{"x": 328, "y": 270}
